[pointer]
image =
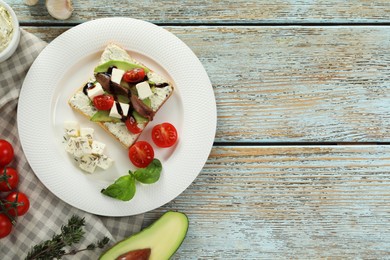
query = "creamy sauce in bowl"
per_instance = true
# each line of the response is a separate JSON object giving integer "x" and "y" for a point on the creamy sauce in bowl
{"x": 6, "y": 28}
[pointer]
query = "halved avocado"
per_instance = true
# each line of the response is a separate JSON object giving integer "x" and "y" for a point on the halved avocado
{"x": 123, "y": 65}
{"x": 163, "y": 237}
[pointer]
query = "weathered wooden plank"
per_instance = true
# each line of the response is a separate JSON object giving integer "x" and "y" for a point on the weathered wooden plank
{"x": 288, "y": 203}
{"x": 46, "y": 33}
{"x": 213, "y": 11}
{"x": 293, "y": 84}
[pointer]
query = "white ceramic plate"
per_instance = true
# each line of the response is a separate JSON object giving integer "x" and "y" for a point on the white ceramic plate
{"x": 65, "y": 65}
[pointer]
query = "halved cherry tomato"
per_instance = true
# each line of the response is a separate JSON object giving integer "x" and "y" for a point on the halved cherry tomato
{"x": 19, "y": 198}
{"x": 6, "y": 153}
{"x": 5, "y": 226}
{"x": 141, "y": 154}
{"x": 134, "y": 75}
{"x": 103, "y": 102}
{"x": 164, "y": 135}
{"x": 9, "y": 179}
{"x": 132, "y": 125}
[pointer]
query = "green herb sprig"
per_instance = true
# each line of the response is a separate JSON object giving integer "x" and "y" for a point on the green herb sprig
{"x": 70, "y": 234}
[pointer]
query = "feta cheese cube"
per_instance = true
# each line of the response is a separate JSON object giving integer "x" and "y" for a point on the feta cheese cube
{"x": 82, "y": 147}
{"x": 116, "y": 75}
{"x": 78, "y": 152}
{"x": 95, "y": 91}
{"x": 87, "y": 132}
{"x": 88, "y": 163}
{"x": 115, "y": 113}
{"x": 71, "y": 128}
{"x": 125, "y": 108}
{"x": 97, "y": 147}
{"x": 70, "y": 145}
{"x": 86, "y": 152}
{"x": 85, "y": 147}
{"x": 104, "y": 162}
{"x": 143, "y": 90}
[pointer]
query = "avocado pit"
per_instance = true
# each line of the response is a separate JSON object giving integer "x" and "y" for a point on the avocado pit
{"x": 140, "y": 254}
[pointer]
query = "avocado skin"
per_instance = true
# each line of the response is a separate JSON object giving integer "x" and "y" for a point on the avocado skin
{"x": 163, "y": 246}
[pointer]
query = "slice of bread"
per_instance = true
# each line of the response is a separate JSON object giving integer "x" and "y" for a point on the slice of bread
{"x": 82, "y": 104}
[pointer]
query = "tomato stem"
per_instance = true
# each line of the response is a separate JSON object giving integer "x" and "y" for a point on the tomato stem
{"x": 7, "y": 206}
{"x": 5, "y": 212}
{"x": 5, "y": 178}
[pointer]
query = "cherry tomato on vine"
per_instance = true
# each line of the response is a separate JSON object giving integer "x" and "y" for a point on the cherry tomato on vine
{"x": 6, "y": 153}
{"x": 5, "y": 226}
{"x": 141, "y": 154}
{"x": 20, "y": 201}
{"x": 134, "y": 75}
{"x": 132, "y": 125}
{"x": 103, "y": 102}
{"x": 164, "y": 135}
{"x": 9, "y": 179}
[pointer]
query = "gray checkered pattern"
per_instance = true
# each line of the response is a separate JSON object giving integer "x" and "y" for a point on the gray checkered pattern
{"x": 47, "y": 213}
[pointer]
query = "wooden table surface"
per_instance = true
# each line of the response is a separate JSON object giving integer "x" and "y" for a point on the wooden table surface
{"x": 300, "y": 166}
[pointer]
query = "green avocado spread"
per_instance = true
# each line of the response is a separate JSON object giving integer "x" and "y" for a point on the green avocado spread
{"x": 6, "y": 28}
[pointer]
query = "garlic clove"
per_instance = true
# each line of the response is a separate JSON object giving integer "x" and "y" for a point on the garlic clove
{"x": 59, "y": 9}
{"x": 31, "y": 2}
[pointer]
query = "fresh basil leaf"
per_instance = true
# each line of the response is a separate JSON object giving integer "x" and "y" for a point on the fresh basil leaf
{"x": 150, "y": 174}
{"x": 122, "y": 189}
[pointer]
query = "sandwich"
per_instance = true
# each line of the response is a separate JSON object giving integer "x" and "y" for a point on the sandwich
{"x": 123, "y": 95}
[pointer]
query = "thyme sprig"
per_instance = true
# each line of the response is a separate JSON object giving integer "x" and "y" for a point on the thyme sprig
{"x": 70, "y": 234}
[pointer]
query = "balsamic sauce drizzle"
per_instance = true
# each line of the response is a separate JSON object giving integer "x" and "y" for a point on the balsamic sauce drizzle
{"x": 91, "y": 85}
{"x": 87, "y": 87}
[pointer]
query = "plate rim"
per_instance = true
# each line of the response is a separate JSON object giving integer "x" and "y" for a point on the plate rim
{"x": 22, "y": 135}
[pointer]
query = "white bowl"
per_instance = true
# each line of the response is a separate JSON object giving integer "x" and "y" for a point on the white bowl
{"x": 14, "y": 43}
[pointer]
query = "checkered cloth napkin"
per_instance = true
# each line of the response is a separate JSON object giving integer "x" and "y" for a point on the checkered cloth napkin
{"x": 47, "y": 212}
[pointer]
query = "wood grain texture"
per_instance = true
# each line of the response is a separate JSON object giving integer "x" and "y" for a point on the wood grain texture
{"x": 279, "y": 84}
{"x": 217, "y": 12}
{"x": 293, "y": 84}
{"x": 288, "y": 203}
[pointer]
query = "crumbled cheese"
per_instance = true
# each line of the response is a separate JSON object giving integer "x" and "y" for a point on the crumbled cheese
{"x": 70, "y": 145}
{"x": 143, "y": 90}
{"x": 87, "y": 132}
{"x": 116, "y": 75}
{"x": 125, "y": 108}
{"x": 71, "y": 128}
{"x": 115, "y": 113}
{"x": 97, "y": 90}
{"x": 88, "y": 162}
{"x": 82, "y": 146}
{"x": 97, "y": 147}
{"x": 86, "y": 152}
{"x": 104, "y": 162}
